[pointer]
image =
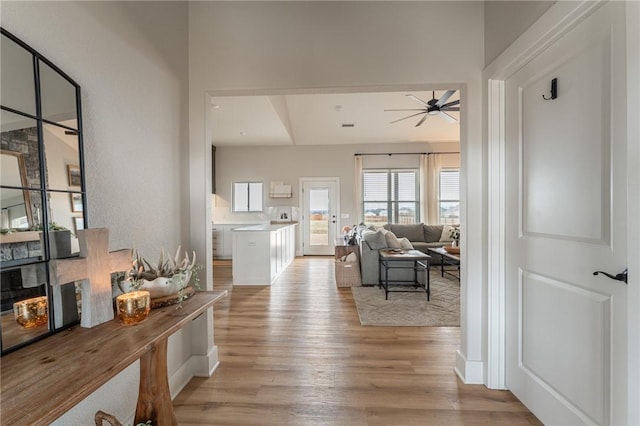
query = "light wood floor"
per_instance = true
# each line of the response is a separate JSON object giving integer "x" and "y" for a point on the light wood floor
{"x": 295, "y": 354}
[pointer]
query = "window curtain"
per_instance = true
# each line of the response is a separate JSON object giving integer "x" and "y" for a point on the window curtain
{"x": 424, "y": 188}
{"x": 433, "y": 167}
{"x": 358, "y": 188}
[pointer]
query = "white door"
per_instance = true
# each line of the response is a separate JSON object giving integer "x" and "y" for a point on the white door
{"x": 320, "y": 215}
{"x": 566, "y": 218}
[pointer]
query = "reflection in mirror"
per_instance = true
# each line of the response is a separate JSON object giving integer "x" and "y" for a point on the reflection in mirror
{"x": 19, "y": 136}
{"x": 23, "y": 304}
{"x": 67, "y": 304}
{"x": 17, "y": 83}
{"x": 15, "y": 213}
{"x": 20, "y": 245}
{"x": 62, "y": 157}
{"x": 58, "y": 96}
{"x": 65, "y": 214}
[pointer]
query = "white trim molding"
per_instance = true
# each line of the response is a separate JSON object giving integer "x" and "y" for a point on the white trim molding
{"x": 196, "y": 366}
{"x": 496, "y": 308}
{"x": 470, "y": 372}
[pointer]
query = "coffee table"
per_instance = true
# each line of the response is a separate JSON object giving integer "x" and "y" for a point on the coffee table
{"x": 390, "y": 259}
{"x": 447, "y": 259}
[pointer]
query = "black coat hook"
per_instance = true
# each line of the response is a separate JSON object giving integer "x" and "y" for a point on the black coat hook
{"x": 554, "y": 90}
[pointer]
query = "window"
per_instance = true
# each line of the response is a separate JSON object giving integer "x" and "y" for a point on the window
{"x": 390, "y": 196}
{"x": 247, "y": 197}
{"x": 449, "y": 196}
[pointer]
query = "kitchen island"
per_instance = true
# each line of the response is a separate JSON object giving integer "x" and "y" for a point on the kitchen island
{"x": 261, "y": 252}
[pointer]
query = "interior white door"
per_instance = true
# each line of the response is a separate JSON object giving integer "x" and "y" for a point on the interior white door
{"x": 566, "y": 218}
{"x": 320, "y": 209}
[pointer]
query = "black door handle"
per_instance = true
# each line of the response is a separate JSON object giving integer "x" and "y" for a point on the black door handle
{"x": 622, "y": 276}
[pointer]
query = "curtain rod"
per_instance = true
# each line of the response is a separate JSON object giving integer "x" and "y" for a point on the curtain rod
{"x": 405, "y": 153}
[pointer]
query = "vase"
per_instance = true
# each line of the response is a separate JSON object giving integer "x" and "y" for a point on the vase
{"x": 455, "y": 243}
{"x": 162, "y": 286}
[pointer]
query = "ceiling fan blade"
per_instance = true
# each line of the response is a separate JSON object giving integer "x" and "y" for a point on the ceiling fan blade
{"x": 450, "y": 104}
{"x": 445, "y": 97}
{"x": 422, "y": 120}
{"x": 417, "y": 99}
{"x": 408, "y": 116}
{"x": 450, "y": 109}
{"x": 415, "y": 109}
{"x": 447, "y": 117}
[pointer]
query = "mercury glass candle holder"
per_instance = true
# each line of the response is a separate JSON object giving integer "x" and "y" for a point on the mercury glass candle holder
{"x": 31, "y": 313}
{"x": 133, "y": 307}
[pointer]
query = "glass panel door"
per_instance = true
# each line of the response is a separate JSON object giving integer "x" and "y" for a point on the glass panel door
{"x": 320, "y": 216}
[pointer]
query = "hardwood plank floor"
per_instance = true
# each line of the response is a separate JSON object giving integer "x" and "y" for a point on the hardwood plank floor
{"x": 296, "y": 354}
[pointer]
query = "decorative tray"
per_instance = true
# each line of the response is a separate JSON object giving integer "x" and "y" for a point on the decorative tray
{"x": 452, "y": 250}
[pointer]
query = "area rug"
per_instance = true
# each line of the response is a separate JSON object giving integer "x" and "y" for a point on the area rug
{"x": 410, "y": 309}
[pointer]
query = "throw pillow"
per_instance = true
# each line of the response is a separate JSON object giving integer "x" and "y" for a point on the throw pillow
{"x": 375, "y": 240}
{"x": 446, "y": 234}
{"x": 432, "y": 233}
{"x": 392, "y": 240}
{"x": 405, "y": 244}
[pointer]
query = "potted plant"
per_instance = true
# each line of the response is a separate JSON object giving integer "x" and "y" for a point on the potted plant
{"x": 169, "y": 277}
{"x": 454, "y": 234}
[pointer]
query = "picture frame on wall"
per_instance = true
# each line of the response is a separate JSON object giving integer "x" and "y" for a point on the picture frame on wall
{"x": 76, "y": 203}
{"x": 73, "y": 173}
{"x": 78, "y": 224}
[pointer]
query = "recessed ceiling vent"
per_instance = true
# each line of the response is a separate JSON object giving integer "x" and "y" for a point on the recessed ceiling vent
{"x": 348, "y": 125}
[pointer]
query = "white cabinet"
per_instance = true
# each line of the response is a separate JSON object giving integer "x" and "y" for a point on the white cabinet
{"x": 223, "y": 240}
{"x": 217, "y": 235}
{"x": 261, "y": 253}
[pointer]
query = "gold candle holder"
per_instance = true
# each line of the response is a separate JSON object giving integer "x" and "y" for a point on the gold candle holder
{"x": 31, "y": 313}
{"x": 133, "y": 307}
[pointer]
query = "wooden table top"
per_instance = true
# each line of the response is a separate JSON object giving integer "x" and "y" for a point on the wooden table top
{"x": 44, "y": 380}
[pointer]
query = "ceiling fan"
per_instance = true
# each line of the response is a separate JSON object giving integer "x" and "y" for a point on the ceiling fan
{"x": 435, "y": 106}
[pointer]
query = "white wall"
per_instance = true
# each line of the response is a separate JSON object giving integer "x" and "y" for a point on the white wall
{"x": 504, "y": 21}
{"x": 303, "y": 47}
{"x": 288, "y": 164}
{"x": 130, "y": 58}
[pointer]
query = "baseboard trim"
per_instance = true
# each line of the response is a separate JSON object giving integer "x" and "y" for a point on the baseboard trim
{"x": 205, "y": 365}
{"x": 195, "y": 366}
{"x": 470, "y": 372}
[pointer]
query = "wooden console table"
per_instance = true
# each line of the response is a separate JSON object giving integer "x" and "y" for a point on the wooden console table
{"x": 42, "y": 381}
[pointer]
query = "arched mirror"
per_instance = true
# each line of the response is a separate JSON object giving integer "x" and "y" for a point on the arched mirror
{"x": 42, "y": 196}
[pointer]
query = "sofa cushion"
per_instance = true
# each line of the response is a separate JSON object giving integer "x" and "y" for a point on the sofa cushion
{"x": 432, "y": 233}
{"x": 374, "y": 239}
{"x": 413, "y": 232}
{"x": 392, "y": 240}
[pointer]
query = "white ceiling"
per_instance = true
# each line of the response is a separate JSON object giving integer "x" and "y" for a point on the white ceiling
{"x": 317, "y": 119}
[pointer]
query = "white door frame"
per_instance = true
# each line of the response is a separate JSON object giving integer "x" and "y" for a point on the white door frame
{"x": 557, "y": 21}
{"x": 336, "y": 180}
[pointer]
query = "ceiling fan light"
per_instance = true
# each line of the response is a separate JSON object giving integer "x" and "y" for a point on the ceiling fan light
{"x": 433, "y": 112}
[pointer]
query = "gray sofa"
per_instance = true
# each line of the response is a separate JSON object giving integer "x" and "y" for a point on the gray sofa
{"x": 420, "y": 236}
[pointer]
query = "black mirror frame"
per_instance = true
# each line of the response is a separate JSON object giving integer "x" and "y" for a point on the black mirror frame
{"x": 44, "y": 190}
